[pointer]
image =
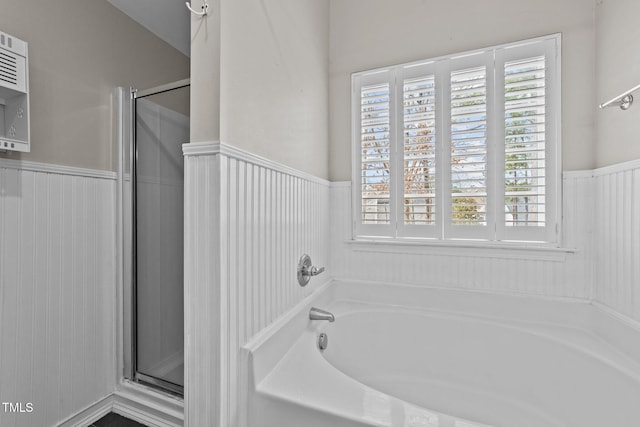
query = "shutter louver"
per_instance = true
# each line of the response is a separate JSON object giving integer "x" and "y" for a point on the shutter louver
{"x": 419, "y": 117}
{"x": 375, "y": 153}
{"x": 469, "y": 147}
{"x": 524, "y": 164}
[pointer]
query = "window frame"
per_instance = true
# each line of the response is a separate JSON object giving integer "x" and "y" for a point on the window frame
{"x": 496, "y": 230}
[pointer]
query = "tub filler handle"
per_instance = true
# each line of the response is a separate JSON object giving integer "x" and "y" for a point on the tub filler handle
{"x": 306, "y": 270}
{"x": 318, "y": 314}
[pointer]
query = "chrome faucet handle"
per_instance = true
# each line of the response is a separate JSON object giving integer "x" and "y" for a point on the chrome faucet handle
{"x": 306, "y": 270}
{"x": 314, "y": 271}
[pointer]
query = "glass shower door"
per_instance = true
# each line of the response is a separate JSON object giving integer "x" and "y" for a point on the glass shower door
{"x": 161, "y": 127}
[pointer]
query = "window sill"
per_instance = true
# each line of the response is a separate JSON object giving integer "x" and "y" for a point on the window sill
{"x": 463, "y": 248}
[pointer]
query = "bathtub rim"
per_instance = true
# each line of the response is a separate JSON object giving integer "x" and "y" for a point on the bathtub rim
{"x": 267, "y": 347}
{"x": 260, "y": 356}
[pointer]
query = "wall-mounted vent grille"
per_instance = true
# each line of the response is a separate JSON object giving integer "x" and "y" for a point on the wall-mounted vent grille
{"x": 8, "y": 67}
{"x": 14, "y": 94}
{"x": 13, "y": 64}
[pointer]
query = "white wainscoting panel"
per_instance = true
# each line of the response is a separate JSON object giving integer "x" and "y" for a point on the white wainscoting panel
{"x": 617, "y": 236}
{"x": 57, "y": 291}
{"x": 202, "y": 291}
{"x": 247, "y": 222}
{"x": 555, "y": 273}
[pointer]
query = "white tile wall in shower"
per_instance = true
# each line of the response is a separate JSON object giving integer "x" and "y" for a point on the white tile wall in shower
{"x": 247, "y": 221}
{"x": 57, "y": 290}
{"x": 561, "y": 274}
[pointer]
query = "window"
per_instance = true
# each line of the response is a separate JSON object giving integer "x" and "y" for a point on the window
{"x": 460, "y": 147}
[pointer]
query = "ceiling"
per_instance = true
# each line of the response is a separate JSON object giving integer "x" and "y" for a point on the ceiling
{"x": 168, "y": 19}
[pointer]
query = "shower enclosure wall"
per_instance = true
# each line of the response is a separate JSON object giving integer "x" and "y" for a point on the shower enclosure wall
{"x": 155, "y": 124}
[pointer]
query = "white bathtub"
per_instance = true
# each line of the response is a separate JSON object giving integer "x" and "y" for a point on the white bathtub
{"x": 408, "y": 356}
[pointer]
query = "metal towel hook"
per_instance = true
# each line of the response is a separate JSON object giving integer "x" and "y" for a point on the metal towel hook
{"x": 205, "y": 9}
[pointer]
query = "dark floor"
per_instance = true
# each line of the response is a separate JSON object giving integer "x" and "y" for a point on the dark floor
{"x": 115, "y": 420}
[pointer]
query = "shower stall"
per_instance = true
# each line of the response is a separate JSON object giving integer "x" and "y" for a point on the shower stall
{"x": 153, "y": 125}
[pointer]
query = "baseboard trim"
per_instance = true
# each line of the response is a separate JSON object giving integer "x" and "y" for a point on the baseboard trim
{"x": 90, "y": 414}
{"x": 136, "y": 403}
{"x": 137, "y": 411}
{"x": 148, "y": 406}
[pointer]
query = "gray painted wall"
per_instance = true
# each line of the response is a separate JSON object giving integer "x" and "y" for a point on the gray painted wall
{"x": 79, "y": 51}
{"x": 366, "y": 34}
{"x": 617, "y": 70}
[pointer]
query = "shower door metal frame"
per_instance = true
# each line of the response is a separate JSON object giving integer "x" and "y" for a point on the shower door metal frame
{"x": 131, "y": 354}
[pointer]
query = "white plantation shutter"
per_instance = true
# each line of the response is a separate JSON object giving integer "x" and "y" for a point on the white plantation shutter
{"x": 418, "y": 207}
{"x": 469, "y": 149}
{"x": 524, "y": 142}
{"x": 528, "y": 132}
{"x": 376, "y": 149}
{"x": 373, "y": 104}
{"x": 460, "y": 147}
{"x": 419, "y": 154}
{"x": 468, "y": 184}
